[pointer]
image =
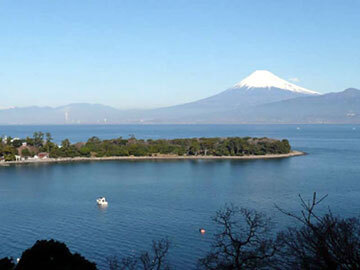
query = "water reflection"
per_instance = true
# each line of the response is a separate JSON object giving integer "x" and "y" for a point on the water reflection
{"x": 102, "y": 207}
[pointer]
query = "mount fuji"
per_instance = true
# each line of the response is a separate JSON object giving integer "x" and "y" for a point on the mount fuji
{"x": 260, "y": 87}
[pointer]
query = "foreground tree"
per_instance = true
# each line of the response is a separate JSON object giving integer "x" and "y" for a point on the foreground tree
{"x": 242, "y": 242}
{"x": 53, "y": 255}
{"x": 322, "y": 242}
{"x": 156, "y": 259}
{"x": 6, "y": 264}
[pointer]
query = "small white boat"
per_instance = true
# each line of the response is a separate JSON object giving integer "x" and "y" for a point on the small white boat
{"x": 102, "y": 201}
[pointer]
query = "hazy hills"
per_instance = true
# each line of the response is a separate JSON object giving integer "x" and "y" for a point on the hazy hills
{"x": 70, "y": 114}
{"x": 262, "y": 97}
{"x": 341, "y": 107}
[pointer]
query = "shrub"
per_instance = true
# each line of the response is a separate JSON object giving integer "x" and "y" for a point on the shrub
{"x": 51, "y": 254}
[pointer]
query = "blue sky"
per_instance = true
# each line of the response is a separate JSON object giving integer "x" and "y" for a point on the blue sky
{"x": 142, "y": 54}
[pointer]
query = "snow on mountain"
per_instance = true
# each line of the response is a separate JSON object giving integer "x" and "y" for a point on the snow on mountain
{"x": 266, "y": 79}
{"x": 261, "y": 87}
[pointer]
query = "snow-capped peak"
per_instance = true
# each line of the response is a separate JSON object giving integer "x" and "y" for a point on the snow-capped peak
{"x": 266, "y": 79}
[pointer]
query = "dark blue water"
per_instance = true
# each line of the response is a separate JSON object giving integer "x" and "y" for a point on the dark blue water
{"x": 154, "y": 199}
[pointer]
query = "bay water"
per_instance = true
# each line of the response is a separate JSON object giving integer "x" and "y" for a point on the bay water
{"x": 150, "y": 200}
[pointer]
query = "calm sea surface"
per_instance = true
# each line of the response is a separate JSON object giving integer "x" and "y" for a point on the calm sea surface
{"x": 154, "y": 199}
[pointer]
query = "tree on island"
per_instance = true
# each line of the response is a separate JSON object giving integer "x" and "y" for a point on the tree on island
{"x": 26, "y": 152}
{"x": 48, "y": 137}
{"x": 8, "y": 152}
{"x": 16, "y": 143}
{"x": 38, "y": 138}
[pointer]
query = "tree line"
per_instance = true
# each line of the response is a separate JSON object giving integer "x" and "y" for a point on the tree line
{"x": 95, "y": 147}
{"x": 244, "y": 240}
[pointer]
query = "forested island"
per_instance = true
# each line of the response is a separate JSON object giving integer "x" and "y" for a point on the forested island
{"x": 41, "y": 146}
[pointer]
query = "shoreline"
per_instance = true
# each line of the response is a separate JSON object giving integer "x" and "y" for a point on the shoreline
{"x": 160, "y": 157}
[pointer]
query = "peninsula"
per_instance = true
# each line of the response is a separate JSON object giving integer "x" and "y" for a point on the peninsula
{"x": 41, "y": 148}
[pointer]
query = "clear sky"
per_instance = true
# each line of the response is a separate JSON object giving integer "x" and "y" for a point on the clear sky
{"x": 137, "y": 54}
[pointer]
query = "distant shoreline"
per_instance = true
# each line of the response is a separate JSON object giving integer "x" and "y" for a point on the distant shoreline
{"x": 159, "y": 157}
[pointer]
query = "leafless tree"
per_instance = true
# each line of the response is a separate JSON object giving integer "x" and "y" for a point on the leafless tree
{"x": 321, "y": 242}
{"x": 241, "y": 243}
{"x": 113, "y": 263}
{"x": 156, "y": 259}
{"x": 245, "y": 241}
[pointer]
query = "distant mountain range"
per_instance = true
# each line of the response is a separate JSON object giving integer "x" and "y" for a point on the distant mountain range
{"x": 261, "y": 97}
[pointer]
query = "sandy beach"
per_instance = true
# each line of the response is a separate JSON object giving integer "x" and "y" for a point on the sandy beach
{"x": 158, "y": 157}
